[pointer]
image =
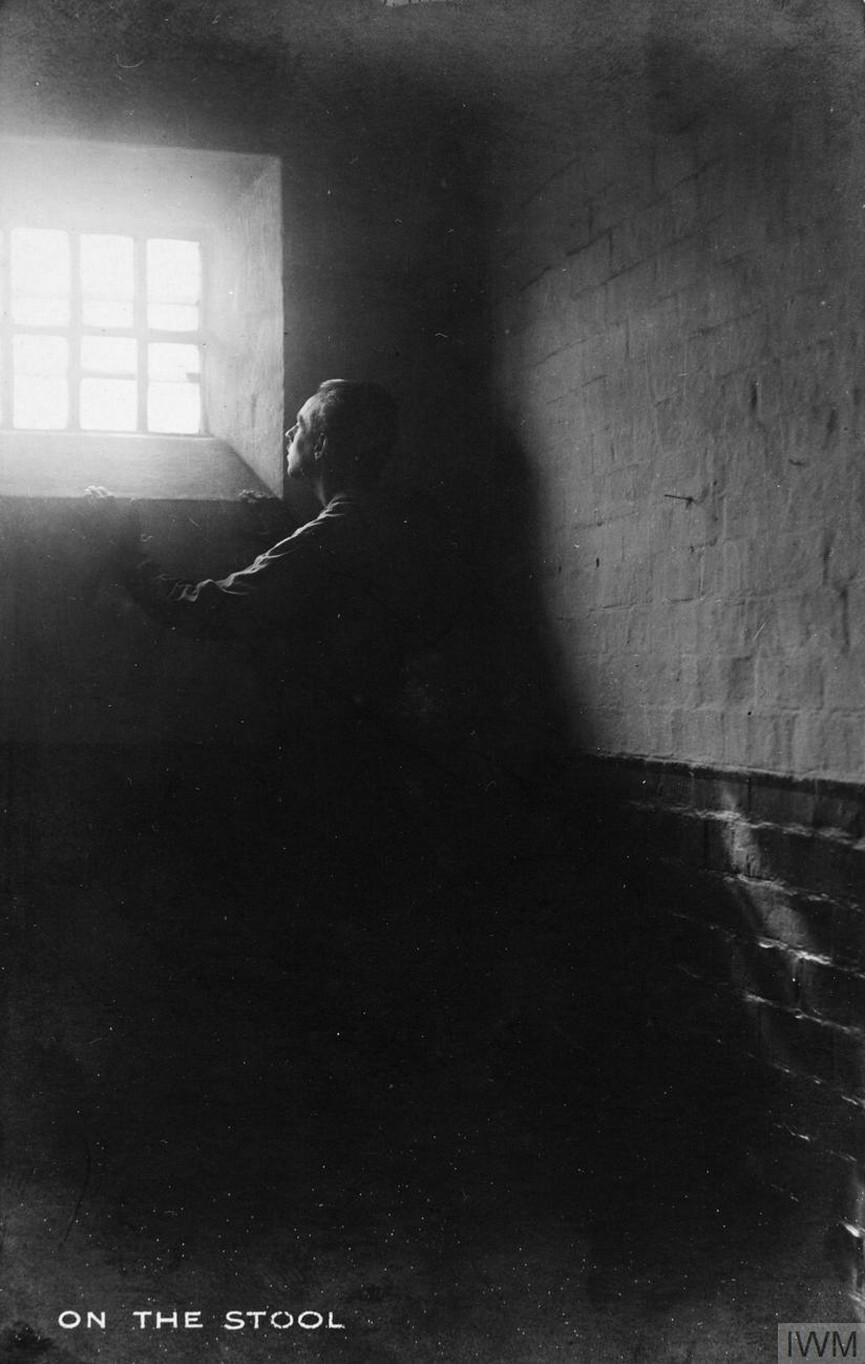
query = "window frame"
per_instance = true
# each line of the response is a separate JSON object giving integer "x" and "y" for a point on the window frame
{"x": 233, "y": 203}
{"x": 76, "y": 329}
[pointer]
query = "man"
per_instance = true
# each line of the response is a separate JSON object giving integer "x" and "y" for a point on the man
{"x": 338, "y": 606}
{"x": 314, "y": 845}
{"x": 340, "y": 619}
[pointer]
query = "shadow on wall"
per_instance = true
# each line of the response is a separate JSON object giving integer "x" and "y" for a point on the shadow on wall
{"x": 516, "y": 678}
{"x": 667, "y": 1143}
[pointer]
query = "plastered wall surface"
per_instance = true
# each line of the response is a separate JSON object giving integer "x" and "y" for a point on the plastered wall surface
{"x": 678, "y": 324}
{"x": 245, "y": 390}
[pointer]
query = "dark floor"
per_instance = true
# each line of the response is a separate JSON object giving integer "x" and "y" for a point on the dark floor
{"x": 423, "y": 1096}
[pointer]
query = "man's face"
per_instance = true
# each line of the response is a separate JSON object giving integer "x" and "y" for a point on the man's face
{"x": 300, "y": 442}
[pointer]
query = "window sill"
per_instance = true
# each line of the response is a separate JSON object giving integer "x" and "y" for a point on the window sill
{"x": 64, "y": 463}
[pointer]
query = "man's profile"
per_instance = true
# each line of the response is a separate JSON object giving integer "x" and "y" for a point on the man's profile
{"x": 343, "y": 437}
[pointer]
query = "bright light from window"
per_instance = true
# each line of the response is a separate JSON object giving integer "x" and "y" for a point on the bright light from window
{"x": 40, "y": 262}
{"x": 110, "y": 354}
{"x": 106, "y": 266}
{"x": 114, "y": 298}
{"x": 40, "y": 271}
{"x": 41, "y": 392}
{"x": 41, "y": 354}
{"x": 173, "y": 285}
{"x": 109, "y": 404}
{"x": 174, "y": 408}
{"x": 173, "y": 402}
{"x": 107, "y": 280}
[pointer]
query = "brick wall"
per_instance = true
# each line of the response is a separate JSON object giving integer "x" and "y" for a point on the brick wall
{"x": 752, "y": 887}
{"x": 680, "y": 337}
{"x": 677, "y": 281}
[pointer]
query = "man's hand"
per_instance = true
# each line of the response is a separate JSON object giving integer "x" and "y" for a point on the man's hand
{"x": 115, "y": 524}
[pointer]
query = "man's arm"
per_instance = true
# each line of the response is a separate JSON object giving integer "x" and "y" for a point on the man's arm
{"x": 265, "y": 598}
{"x": 268, "y": 596}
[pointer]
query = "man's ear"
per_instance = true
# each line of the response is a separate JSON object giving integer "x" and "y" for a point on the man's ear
{"x": 319, "y": 450}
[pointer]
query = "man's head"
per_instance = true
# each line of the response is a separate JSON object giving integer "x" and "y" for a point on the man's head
{"x": 344, "y": 435}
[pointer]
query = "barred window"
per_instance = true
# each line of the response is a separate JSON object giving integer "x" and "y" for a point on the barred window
{"x": 103, "y": 332}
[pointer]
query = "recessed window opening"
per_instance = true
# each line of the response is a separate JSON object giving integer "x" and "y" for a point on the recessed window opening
{"x": 103, "y": 333}
{"x": 141, "y": 320}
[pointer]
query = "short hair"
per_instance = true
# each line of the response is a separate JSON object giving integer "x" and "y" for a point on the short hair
{"x": 361, "y": 423}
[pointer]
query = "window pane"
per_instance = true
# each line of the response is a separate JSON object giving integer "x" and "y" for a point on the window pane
{"x": 106, "y": 314}
{"x": 109, "y": 404}
{"x": 40, "y": 355}
{"x": 109, "y": 354}
{"x": 40, "y": 404}
{"x": 107, "y": 270}
{"x": 173, "y": 271}
{"x": 40, "y": 387}
{"x": 40, "y": 263}
{"x": 174, "y": 409}
{"x": 41, "y": 312}
{"x": 172, "y": 362}
{"x": 172, "y": 317}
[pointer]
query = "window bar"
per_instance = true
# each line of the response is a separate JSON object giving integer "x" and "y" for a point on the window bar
{"x": 139, "y": 323}
{"x": 76, "y": 332}
{"x": 199, "y": 340}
